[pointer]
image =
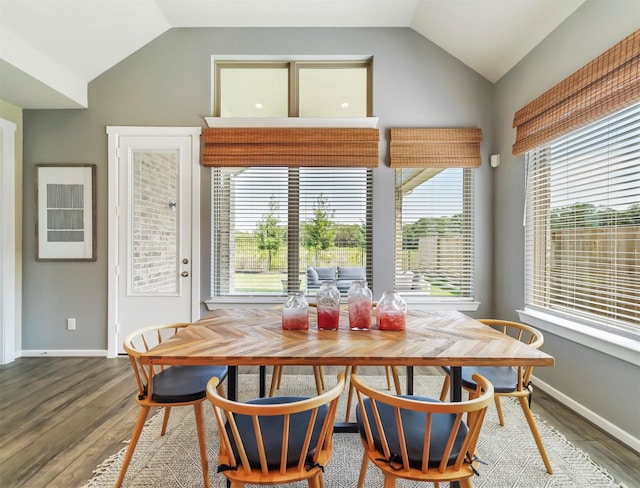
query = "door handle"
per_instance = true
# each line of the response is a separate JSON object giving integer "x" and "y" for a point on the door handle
{"x": 184, "y": 273}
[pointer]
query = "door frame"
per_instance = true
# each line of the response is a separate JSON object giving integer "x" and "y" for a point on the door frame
{"x": 10, "y": 330}
{"x": 114, "y": 135}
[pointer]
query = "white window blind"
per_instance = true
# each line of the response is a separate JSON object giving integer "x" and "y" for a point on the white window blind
{"x": 583, "y": 224}
{"x": 269, "y": 224}
{"x": 434, "y": 232}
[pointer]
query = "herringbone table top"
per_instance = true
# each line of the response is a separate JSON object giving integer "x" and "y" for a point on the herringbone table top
{"x": 255, "y": 337}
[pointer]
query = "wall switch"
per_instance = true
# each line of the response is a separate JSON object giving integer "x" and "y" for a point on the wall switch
{"x": 71, "y": 324}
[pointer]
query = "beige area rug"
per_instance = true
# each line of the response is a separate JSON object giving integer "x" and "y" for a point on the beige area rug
{"x": 512, "y": 458}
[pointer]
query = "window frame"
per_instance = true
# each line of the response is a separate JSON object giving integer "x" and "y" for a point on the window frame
{"x": 616, "y": 340}
{"x": 467, "y": 301}
{"x": 294, "y": 64}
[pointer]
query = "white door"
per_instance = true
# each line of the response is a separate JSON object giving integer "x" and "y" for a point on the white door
{"x": 154, "y": 256}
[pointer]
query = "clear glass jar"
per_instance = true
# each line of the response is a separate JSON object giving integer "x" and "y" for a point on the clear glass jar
{"x": 391, "y": 311}
{"x": 359, "y": 298}
{"x": 328, "y": 306}
{"x": 295, "y": 312}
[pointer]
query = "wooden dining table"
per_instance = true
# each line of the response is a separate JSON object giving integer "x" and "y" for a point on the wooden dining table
{"x": 254, "y": 336}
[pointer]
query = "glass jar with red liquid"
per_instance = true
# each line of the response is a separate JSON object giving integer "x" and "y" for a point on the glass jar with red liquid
{"x": 391, "y": 311}
{"x": 295, "y": 312}
{"x": 359, "y": 298}
{"x": 328, "y": 306}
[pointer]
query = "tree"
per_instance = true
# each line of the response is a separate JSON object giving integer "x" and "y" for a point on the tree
{"x": 320, "y": 231}
{"x": 269, "y": 234}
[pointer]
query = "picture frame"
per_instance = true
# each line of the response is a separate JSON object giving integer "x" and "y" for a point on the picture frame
{"x": 66, "y": 212}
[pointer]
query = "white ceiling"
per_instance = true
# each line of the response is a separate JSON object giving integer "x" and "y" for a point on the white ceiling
{"x": 51, "y": 49}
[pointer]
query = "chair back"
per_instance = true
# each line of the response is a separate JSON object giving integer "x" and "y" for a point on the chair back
{"x": 141, "y": 341}
{"x": 275, "y": 439}
{"x": 421, "y": 438}
{"x": 523, "y": 333}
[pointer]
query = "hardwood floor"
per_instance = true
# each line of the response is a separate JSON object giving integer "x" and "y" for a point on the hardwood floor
{"x": 61, "y": 417}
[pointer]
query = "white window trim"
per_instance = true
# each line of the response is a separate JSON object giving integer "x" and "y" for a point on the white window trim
{"x": 262, "y": 301}
{"x": 617, "y": 346}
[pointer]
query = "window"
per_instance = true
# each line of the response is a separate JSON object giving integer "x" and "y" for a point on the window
{"x": 301, "y": 88}
{"x": 434, "y": 232}
{"x": 269, "y": 223}
{"x": 583, "y": 224}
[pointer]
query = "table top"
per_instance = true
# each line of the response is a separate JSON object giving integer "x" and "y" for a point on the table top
{"x": 236, "y": 337}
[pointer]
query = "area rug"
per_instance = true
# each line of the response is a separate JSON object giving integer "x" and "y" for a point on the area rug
{"x": 511, "y": 457}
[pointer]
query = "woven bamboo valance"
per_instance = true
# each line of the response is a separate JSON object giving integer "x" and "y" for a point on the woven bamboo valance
{"x": 435, "y": 148}
{"x": 605, "y": 85}
{"x": 290, "y": 146}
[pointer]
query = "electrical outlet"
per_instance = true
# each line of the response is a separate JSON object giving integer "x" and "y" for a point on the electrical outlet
{"x": 71, "y": 324}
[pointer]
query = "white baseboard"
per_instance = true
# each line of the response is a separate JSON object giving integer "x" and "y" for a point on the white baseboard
{"x": 608, "y": 427}
{"x": 62, "y": 353}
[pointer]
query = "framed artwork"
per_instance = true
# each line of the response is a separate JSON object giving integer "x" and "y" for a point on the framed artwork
{"x": 66, "y": 212}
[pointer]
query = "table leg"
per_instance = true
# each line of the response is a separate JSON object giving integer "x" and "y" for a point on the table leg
{"x": 409, "y": 380}
{"x": 263, "y": 381}
{"x": 232, "y": 383}
{"x": 456, "y": 384}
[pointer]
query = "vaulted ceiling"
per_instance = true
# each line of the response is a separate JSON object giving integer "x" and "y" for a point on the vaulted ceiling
{"x": 51, "y": 49}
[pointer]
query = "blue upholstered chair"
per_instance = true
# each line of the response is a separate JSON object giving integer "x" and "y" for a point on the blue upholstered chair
{"x": 417, "y": 438}
{"x": 275, "y": 440}
{"x": 508, "y": 381}
{"x": 173, "y": 386}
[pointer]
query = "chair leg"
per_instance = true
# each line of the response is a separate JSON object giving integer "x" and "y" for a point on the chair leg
{"x": 354, "y": 369}
{"x": 202, "y": 442}
{"x": 165, "y": 420}
{"x": 389, "y": 481}
{"x": 137, "y": 430}
{"x": 363, "y": 470}
{"x": 445, "y": 388}
{"x": 496, "y": 399}
{"x": 315, "y": 481}
{"x": 465, "y": 483}
{"x": 275, "y": 379}
{"x": 396, "y": 380}
{"x": 388, "y": 373}
{"x": 536, "y": 434}
{"x": 321, "y": 377}
{"x": 317, "y": 373}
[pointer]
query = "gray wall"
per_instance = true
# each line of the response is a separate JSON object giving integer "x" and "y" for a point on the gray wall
{"x": 168, "y": 83}
{"x": 604, "y": 384}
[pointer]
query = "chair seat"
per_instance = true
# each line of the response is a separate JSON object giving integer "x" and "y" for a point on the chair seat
{"x": 413, "y": 424}
{"x": 184, "y": 383}
{"x": 271, "y": 428}
{"x": 503, "y": 378}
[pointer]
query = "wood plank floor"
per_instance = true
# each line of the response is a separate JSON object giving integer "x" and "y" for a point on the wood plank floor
{"x": 60, "y": 417}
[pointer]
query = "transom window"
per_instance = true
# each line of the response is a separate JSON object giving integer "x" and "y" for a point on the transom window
{"x": 301, "y": 88}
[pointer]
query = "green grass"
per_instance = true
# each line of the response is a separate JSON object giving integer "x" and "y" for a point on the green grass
{"x": 271, "y": 283}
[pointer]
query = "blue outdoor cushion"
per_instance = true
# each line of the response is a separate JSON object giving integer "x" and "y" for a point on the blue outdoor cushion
{"x": 413, "y": 424}
{"x": 326, "y": 274}
{"x": 503, "y": 378}
{"x": 184, "y": 383}
{"x": 352, "y": 273}
{"x": 271, "y": 428}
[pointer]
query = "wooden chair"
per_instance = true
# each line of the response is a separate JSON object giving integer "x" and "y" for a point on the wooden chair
{"x": 275, "y": 440}
{"x": 508, "y": 381}
{"x": 173, "y": 386}
{"x": 420, "y": 439}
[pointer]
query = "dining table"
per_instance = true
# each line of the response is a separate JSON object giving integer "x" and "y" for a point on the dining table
{"x": 245, "y": 336}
